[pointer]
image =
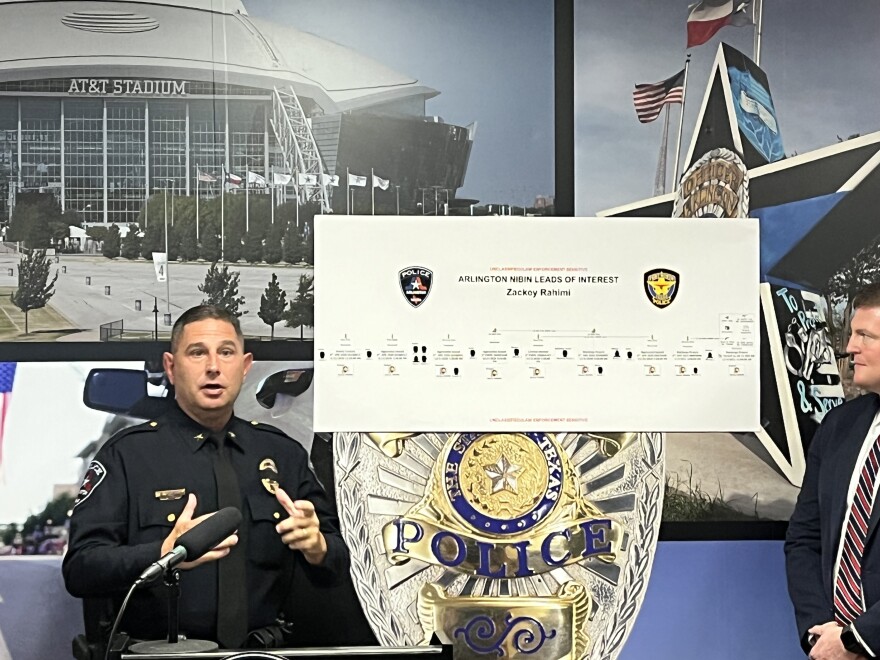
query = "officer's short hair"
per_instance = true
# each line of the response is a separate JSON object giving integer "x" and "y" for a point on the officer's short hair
{"x": 202, "y": 313}
{"x": 868, "y": 296}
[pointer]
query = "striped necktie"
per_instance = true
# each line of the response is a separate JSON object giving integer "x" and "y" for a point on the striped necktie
{"x": 848, "y": 602}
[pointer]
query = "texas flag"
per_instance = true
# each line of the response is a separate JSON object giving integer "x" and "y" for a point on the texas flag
{"x": 709, "y": 16}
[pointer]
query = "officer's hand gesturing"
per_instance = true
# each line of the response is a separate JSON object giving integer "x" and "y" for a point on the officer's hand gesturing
{"x": 301, "y": 531}
{"x": 186, "y": 522}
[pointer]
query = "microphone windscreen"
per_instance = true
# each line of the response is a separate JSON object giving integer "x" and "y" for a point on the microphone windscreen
{"x": 208, "y": 533}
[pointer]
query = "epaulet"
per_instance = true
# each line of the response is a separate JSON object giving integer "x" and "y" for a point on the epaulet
{"x": 267, "y": 427}
{"x": 146, "y": 427}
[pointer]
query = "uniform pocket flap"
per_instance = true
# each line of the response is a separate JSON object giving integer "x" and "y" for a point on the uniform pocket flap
{"x": 266, "y": 508}
{"x": 155, "y": 512}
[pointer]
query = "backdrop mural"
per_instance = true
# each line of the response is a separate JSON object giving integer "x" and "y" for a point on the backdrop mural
{"x": 121, "y": 185}
{"x": 808, "y": 172}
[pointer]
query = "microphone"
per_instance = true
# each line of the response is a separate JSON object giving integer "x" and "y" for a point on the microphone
{"x": 195, "y": 542}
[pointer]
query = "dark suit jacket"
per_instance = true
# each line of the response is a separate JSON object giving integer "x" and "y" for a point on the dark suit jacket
{"x": 815, "y": 528}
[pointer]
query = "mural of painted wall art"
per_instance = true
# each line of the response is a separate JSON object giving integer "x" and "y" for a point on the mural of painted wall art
{"x": 187, "y": 161}
{"x": 743, "y": 131}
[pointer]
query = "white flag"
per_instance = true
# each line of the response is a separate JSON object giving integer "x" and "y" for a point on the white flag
{"x": 379, "y": 182}
{"x": 160, "y": 263}
{"x": 279, "y": 179}
{"x": 307, "y": 179}
{"x": 357, "y": 180}
{"x": 332, "y": 180}
{"x": 255, "y": 179}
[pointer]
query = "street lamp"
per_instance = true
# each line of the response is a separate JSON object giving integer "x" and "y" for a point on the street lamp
{"x": 82, "y": 211}
{"x": 84, "y": 227}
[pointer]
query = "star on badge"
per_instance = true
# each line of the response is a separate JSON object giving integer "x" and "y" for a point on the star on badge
{"x": 503, "y": 474}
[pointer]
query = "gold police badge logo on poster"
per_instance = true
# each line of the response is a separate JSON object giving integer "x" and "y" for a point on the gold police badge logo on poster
{"x": 508, "y": 545}
{"x": 269, "y": 475}
{"x": 661, "y": 286}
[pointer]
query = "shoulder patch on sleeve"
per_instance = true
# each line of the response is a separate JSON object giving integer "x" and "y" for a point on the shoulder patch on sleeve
{"x": 94, "y": 476}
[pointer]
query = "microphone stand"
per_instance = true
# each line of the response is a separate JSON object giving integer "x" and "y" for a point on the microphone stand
{"x": 174, "y": 643}
{"x": 172, "y": 581}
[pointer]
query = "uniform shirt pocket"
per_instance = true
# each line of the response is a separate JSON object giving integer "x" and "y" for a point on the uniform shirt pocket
{"x": 157, "y": 517}
{"x": 265, "y": 547}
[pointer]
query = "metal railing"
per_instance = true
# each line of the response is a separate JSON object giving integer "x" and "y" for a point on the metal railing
{"x": 112, "y": 330}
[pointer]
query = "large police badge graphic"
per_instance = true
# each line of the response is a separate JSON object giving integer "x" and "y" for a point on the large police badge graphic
{"x": 505, "y": 545}
{"x": 415, "y": 283}
{"x": 715, "y": 186}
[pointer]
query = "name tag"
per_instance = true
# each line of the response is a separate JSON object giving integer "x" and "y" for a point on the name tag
{"x": 173, "y": 494}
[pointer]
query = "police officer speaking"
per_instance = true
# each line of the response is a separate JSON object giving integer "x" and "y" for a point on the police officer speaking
{"x": 151, "y": 483}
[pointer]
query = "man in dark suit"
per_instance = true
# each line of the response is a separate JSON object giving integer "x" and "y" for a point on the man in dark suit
{"x": 832, "y": 557}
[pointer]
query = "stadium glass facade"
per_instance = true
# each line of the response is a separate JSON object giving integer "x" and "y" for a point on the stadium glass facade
{"x": 102, "y": 153}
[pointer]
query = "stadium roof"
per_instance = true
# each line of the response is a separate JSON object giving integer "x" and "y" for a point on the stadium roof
{"x": 206, "y": 40}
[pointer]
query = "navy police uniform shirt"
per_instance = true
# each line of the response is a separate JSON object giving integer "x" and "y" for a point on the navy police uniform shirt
{"x": 137, "y": 486}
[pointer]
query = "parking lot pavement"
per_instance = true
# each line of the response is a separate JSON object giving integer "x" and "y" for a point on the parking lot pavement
{"x": 87, "y": 306}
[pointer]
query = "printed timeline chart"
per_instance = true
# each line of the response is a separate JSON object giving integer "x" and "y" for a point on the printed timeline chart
{"x": 562, "y": 324}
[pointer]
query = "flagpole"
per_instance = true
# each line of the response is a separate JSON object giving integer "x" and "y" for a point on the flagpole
{"x": 759, "y": 28}
{"x": 272, "y": 204}
{"x": 296, "y": 191}
{"x": 372, "y": 192}
{"x": 167, "y": 260}
{"x": 247, "y": 207}
{"x": 684, "y": 89}
{"x": 397, "y": 194}
{"x": 660, "y": 175}
{"x": 223, "y": 217}
{"x": 198, "y": 176}
{"x": 347, "y": 193}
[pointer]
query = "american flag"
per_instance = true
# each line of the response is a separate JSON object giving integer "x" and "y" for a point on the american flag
{"x": 7, "y": 376}
{"x": 649, "y": 98}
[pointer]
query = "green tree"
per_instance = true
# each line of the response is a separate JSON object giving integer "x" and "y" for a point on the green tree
{"x": 842, "y": 286}
{"x": 34, "y": 219}
{"x": 273, "y": 251}
{"x": 97, "y": 234}
{"x": 131, "y": 244}
{"x": 253, "y": 247}
{"x": 153, "y": 240}
{"x": 309, "y": 248}
{"x": 272, "y": 304}
{"x": 221, "y": 289}
{"x": 9, "y": 534}
{"x": 185, "y": 236}
{"x": 294, "y": 246}
{"x": 110, "y": 247}
{"x": 301, "y": 313}
{"x": 54, "y": 513}
{"x": 233, "y": 245}
{"x": 60, "y": 229}
{"x": 34, "y": 288}
{"x": 209, "y": 235}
